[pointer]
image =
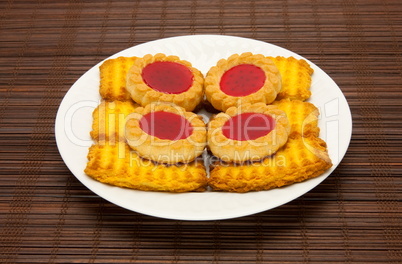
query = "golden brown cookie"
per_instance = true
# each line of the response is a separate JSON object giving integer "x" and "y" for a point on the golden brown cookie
{"x": 166, "y": 133}
{"x": 303, "y": 117}
{"x": 109, "y": 120}
{"x": 296, "y": 78}
{"x": 240, "y": 79}
{"x": 299, "y": 160}
{"x": 248, "y": 132}
{"x": 113, "y": 78}
{"x": 161, "y": 78}
{"x": 117, "y": 165}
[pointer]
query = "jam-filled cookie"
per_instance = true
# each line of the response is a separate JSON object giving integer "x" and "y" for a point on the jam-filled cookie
{"x": 166, "y": 133}
{"x": 244, "y": 78}
{"x": 161, "y": 78}
{"x": 247, "y": 133}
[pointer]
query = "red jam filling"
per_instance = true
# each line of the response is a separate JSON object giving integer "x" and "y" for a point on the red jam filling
{"x": 167, "y": 77}
{"x": 166, "y": 125}
{"x": 242, "y": 80}
{"x": 248, "y": 126}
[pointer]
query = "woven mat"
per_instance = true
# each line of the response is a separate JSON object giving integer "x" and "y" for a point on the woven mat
{"x": 47, "y": 215}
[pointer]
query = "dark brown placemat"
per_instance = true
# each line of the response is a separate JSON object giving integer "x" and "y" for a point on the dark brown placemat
{"x": 46, "y": 215}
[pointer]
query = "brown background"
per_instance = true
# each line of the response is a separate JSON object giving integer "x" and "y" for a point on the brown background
{"x": 47, "y": 216}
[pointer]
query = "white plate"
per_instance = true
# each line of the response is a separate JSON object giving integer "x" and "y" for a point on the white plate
{"x": 74, "y": 119}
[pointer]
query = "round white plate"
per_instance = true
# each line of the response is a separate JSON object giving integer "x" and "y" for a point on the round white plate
{"x": 74, "y": 120}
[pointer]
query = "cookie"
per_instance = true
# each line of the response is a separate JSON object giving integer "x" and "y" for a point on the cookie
{"x": 303, "y": 117}
{"x": 302, "y": 158}
{"x": 162, "y": 78}
{"x": 109, "y": 120}
{"x": 118, "y": 165}
{"x": 113, "y": 78}
{"x": 245, "y": 78}
{"x": 248, "y": 132}
{"x": 166, "y": 133}
{"x": 296, "y": 78}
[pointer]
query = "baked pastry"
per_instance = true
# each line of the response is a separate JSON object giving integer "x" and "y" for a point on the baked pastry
{"x": 296, "y": 78}
{"x": 109, "y": 120}
{"x": 248, "y": 132}
{"x": 162, "y": 78}
{"x": 302, "y": 116}
{"x": 240, "y": 79}
{"x": 300, "y": 159}
{"x": 118, "y": 165}
{"x": 304, "y": 156}
{"x": 113, "y": 78}
{"x": 166, "y": 133}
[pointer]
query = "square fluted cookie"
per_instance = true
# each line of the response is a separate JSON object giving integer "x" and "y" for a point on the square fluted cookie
{"x": 113, "y": 76}
{"x": 118, "y": 165}
{"x": 302, "y": 158}
{"x": 296, "y": 78}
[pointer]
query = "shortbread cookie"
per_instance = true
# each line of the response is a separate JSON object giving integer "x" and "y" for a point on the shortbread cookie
{"x": 166, "y": 133}
{"x": 113, "y": 79}
{"x": 299, "y": 160}
{"x": 240, "y": 79}
{"x": 109, "y": 120}
{"x": 117, "y": 165}
{"x": 296, "y": 78}
{"x": 248, "y": 132}
{"x": 162, "y": 78}
{"x": 303, "y": 117}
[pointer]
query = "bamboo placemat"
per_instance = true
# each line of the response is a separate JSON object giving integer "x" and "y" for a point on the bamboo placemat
{"x": 47, "y": 216}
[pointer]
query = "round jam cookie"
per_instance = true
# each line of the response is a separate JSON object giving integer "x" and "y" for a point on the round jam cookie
{"x": 244, "y": 78}
{"x": 249, "y": 132}
{"x": 166, "y": 133}
{"x": 161, "y": 78}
